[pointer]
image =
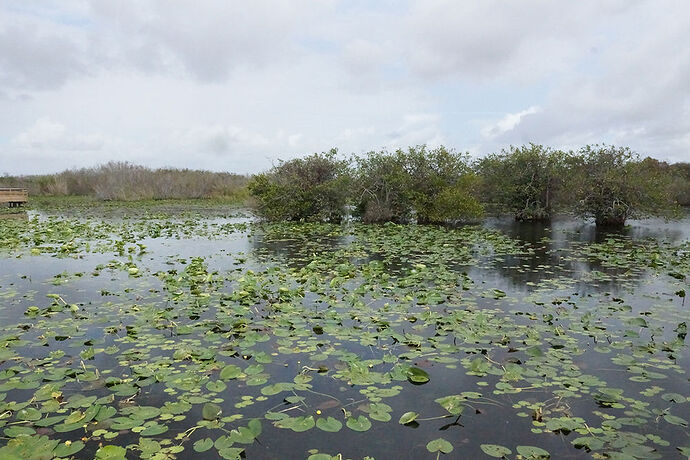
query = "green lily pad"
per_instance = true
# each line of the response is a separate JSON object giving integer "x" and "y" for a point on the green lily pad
{"x": 211, "y": 411}
{"x": 329, "y": 424}
{"x": 360, "y": 423}
{"x": 417, "y": 375}
{"x": 532, "y": 452}
{"x": 230, "y": 372}
{"x": 65, "y": 450}
{"x": 408, "y": 417}
{"x": 154, "y": 429}
{"x": 202, "y": 445}
{"x": 494, "y": 450}
{"x": 297, "y": 424}
{"x": 439, "y": 445}
{"x": 111, "y": 453}
{"x": 231, "y": 453}
{"x": 14, "y": 431}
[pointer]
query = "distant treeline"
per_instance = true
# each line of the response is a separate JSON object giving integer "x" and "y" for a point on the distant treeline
{"x": 125, "y": 181}
{"x": 420, "y": 184}
{"x": 609, "y": 184}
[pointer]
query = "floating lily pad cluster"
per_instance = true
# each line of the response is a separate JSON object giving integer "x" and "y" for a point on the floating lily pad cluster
{"x": 154, "y": 337}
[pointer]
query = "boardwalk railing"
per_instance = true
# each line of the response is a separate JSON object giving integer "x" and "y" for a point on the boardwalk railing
{"x": 14, "y": 196}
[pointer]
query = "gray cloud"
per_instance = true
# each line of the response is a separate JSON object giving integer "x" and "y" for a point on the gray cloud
{"x": 32, "y": 60}
{"x": 638, "y": 94}
{"x": 207, "y": 39}
{"x": 235, "y": 85}
{"x": 496, "y": 39}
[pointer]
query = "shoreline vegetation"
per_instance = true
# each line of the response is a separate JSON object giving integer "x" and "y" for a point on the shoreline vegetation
{"x": 417, "y": 184}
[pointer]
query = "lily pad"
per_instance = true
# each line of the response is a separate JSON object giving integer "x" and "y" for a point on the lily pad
{"x": 495, "y": 450}
{"x": 360, "y": 423}
{"x": 439, "y": 445}
{"x": 417, "y": 375}
{"x": 329, "y": 424}
{"x": 408, "y": 417}
{"x": 202, "y": 445}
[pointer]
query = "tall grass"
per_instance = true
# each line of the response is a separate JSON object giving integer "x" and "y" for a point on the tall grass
{"x": 127, "y": 182}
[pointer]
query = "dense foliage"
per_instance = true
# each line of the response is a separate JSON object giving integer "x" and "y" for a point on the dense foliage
{"x": 418, "y": 184}
{"x": 611, "y": 184}
{"x": 442, "y": 185}
{"x": 381, "y": 187}
{"x": 680, "y": 182}
{"x": 523, "y": 181}
{"x": 310, "y": 188}
{"x": 432, "y": 185}
{"x": 532, "y": 182}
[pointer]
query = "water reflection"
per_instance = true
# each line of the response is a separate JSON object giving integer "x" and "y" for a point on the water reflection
{"x": 23, "y": 216}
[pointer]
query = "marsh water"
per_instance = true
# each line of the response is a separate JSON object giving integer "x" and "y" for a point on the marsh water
{"x": 199, "y": 332}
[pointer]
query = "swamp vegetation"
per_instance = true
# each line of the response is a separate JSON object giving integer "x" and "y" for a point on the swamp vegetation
{"x": 423, "y": 185}
{"x": 172, "y": 330}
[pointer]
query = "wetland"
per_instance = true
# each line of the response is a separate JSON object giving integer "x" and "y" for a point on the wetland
{"x": 192, "y": 329}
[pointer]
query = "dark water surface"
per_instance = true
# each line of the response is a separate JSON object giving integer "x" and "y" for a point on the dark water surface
{"x": 205, "y": 335}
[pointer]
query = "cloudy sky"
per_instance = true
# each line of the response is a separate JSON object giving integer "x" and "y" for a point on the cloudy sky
{"x": 230, "y": 85}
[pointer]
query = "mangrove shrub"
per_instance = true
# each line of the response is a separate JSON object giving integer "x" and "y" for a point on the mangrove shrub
{"x": 611, "y": 184}
{"x": 429, "y": 185}
{"x": 523, "y": 181}
{"x": 311, "y": 188}
{"x": 381, "y": 187}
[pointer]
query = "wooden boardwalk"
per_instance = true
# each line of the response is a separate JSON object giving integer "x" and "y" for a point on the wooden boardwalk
{"x": 13, "y": 196}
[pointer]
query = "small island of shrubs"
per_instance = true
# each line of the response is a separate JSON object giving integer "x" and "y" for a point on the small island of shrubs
{"x": 438, "y": 185}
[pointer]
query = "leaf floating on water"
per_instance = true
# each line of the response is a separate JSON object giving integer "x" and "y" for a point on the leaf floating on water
{"x": 230, "y": 371}
{"x": 417, "y": 375}
{"x": 439, "y": 445}
{"x": 202, "y": 445}
{"x": 360, "y": 423}
{"x": 111, "y": 453}
{"x": 532, "y": 452}
{"x": 408, "y": 417}
{"x": 329, "y": 424}
{"x": 211, "y": 411}
{"x": 494, "y": 450}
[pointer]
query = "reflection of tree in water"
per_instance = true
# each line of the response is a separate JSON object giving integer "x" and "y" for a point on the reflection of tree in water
{"x": 297, "y": 244}
{"x": 566, "y": 249}
{"x": 14, "y": 215}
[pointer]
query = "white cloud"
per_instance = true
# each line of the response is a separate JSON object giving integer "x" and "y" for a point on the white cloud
{"x": 218, "y": 139}
{"x": 639, "y": 96}
{"x": 47, "y": 135}
{"x": 416, "y": 129}
{"x": 236, "y": 85}
{"x": 507, "y": 123}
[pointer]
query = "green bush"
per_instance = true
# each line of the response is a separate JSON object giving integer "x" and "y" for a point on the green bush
{"x": 524, "y": 181}
{"x": 611, "y": 185}
{"x": 680, "y": 184}
{"x": 381, "y": 188}
{"x": 443, "y": 187}
{"x": 429, "y": 185}
{"x": 314, "y": 188}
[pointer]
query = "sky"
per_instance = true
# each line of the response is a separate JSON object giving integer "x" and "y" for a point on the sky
{"x": 237, "y": 86}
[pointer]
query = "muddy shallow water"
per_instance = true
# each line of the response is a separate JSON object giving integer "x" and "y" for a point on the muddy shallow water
{"x": 204, "y": 334}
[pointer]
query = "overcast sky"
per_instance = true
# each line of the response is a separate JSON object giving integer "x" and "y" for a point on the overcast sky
{"x": 235, "y": 86}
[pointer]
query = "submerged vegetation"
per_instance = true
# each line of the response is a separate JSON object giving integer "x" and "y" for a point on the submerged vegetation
{"x": 163, "y": 334}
